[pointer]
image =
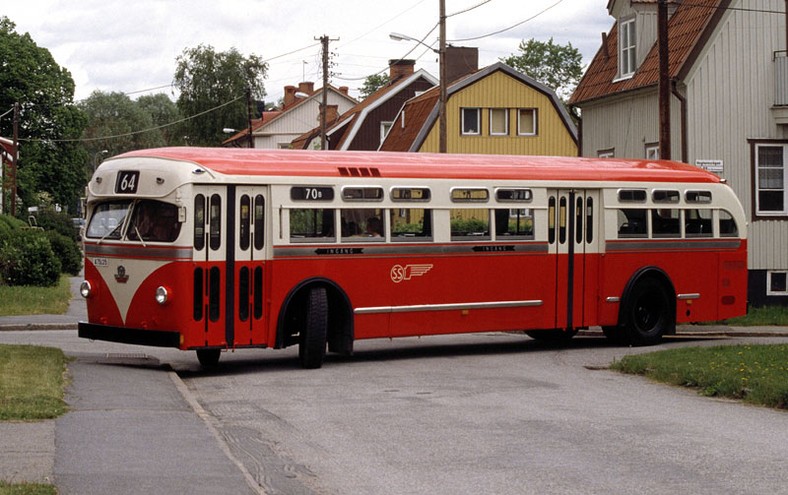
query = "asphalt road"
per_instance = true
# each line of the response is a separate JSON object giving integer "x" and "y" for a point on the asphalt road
{"x": 469, "y": 414}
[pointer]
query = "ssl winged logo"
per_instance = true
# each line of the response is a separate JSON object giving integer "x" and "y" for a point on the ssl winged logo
{"x": 400, "y": 273}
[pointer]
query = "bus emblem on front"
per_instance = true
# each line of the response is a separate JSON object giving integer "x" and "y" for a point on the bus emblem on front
{"x": 121, "y": 276}
{"x": 407, "y": 272}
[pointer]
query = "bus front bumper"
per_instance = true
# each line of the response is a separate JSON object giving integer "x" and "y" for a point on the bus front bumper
{"x": 154, "y": 338}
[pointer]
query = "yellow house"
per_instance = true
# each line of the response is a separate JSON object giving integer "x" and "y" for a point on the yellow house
{"x": 496, "y": 110}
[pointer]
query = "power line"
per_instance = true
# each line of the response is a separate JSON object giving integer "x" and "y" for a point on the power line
{"x": 510, "y": 27}
{"x": 134, "y": 133}
{"x": 469, "y": 8}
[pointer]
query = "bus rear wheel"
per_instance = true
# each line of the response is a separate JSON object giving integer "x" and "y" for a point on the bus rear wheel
{"x": 649, "y": 313}
{"x": 208, "y": 358}
{"x": 312, "y": 345}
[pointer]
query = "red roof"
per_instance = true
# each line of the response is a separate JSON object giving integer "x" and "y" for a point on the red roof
{"x": 688, "y": 28}
{"x": 244, "y": 161}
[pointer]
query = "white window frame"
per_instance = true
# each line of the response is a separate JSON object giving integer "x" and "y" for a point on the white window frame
{"x": 757, "y": 181}
{"x": 607, "y": 153}
{"x": 505, "y": 121}
{"x": 385, "y": 127}
{"x": 627, "y": 48}
{"x": 769, "y": 291}
{"x": 534, "y": 118}
{"x": 652, "y": 151}
{"x": 478, "y": 130}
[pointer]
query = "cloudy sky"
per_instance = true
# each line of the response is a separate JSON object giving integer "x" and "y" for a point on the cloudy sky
{"x": 118, "y": 45}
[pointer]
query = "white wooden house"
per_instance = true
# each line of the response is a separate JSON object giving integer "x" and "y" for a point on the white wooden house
{"x": 729, "y": 108}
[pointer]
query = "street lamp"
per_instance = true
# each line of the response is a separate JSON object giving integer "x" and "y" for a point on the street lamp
{"x": 96, "y": 157}
{"x": 442, "y": 68}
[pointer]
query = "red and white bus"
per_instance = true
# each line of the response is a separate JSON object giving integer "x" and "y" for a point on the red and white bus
{"x": 217, "y": 249}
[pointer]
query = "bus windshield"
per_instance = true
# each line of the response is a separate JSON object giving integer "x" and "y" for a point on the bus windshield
{"x": 150, "y": 221}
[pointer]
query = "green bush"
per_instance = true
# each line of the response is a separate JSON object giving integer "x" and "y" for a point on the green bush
{"x": 27, "y": 258}
{"x": 61, "y": 223}
{"x": 67, "y": 250}
{"x": 7, "y": 225}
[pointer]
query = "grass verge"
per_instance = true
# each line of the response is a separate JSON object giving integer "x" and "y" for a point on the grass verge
{"x": 26, "y": 300}
{"x": 26, "y": 489}
{"x": 765, "y": 316}
{"x": 32, "y": 382}
{"x": 757, "y": 374}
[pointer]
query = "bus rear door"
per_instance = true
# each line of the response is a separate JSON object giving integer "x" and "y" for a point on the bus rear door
{"x": 573, "y": 241}
{"x": 249, "y": 265}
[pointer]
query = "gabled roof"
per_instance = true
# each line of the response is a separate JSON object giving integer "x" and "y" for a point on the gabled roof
{"x": 422, "y": 111}
{"x": 356, "y": 116}
{"x": 689, "y": 28}
{"x": 258, "y": 125}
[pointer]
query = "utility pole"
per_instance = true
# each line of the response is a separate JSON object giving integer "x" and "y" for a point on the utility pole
{"x": 324, "y": 40}
{"x": 443, "y": 81}
{"x": 15, "y": 160}
{"x": 664, "y": 80}
{"x": 249, "y": 115}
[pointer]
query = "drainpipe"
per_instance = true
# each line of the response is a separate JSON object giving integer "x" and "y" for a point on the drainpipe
{"x": 683, "y": 113}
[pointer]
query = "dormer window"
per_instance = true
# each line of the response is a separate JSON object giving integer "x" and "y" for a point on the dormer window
{"x": 627, "y": 56}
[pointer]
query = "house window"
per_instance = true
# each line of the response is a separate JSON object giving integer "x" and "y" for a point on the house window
{"x": 526, "y": 122}
{"x": 608, "y": 153}
{"x": 627, "y": 49}
{"x": 777, "y": 283}
{"x": 499, "y": 121}
{"x": 770, "y": 180}
{"x": 385, "y": 127}
{"x": 652, "y": 151}
{"x": 471, "y": 121}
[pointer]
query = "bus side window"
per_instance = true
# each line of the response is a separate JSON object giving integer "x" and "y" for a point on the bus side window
{"x": 199, "y": 222}
{"x": 698, "y": 223}
{"x": 216, "y": 222}
{"x": 245, "y": 219}
{"x": 259, "y": 222}
{"x": 515, "y": 223}
{"x": 666, "y": 222}
{"x": 632, "y": 223}
{"x": 470, "y": 224}
{"x": 728, "y": 226}
{"x": 411, "y": 224}
{"x": 312, "y": 225}
{"x": 364, "y": 223}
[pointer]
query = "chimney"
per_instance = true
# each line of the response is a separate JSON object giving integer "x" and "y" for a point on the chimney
{"x": 460, "y": 61}
{"x": 604, "y": 46}
{"x": 290, "y": 98}
{"x": 332, "y": 114}
{"x": 344, "y": 90}
{"x": 400, "y": 68}
{"x": 307, "y": 87}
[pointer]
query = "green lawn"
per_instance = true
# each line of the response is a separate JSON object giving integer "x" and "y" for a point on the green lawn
{"x": 756, "y": 374}
{"x": 26, "y": 489}
{"x": 765, "y": 316}
{"x": 32, "y": 382}
{"x": 24, "y": 300}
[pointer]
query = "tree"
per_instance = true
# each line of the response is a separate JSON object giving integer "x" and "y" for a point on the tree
{"x": 558, "y": 67}
{"x": 165, "y": 113}
{"x": 207, "y": 80}
{"x": 51, "y": 159}
{"x": 117, "y": 124}
{"x": 373, "y": 83}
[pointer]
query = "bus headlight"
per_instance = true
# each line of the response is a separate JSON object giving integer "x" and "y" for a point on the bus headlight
{"x": 85, "y": 289}
{"x": 162, "y": 295}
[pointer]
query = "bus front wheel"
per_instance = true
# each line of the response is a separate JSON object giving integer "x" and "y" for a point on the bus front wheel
{"x": 312, "y": 345}
{"x": 649, "y": 314}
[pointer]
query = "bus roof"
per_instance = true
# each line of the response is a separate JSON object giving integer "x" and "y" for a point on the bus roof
{"x": 238, "y": 161}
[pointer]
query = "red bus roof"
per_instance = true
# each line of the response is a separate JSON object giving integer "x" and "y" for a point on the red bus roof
{"x": 235, "y": 161}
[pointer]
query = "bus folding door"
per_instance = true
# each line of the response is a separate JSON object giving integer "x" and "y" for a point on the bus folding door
{"x": 249, "y": 242}
{"x": 574, "y": 242}
{"x": 213, "y": 292}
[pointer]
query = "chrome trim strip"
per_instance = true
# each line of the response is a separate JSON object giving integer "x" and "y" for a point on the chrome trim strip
{"x": 137, "y": 251}
{"x": 613, "y": 299}
{"x": 660, "y": 245}
{"x": 397, "y": 249}
{"x": 446, "y": 307}
{"x": 684, "y": 297}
